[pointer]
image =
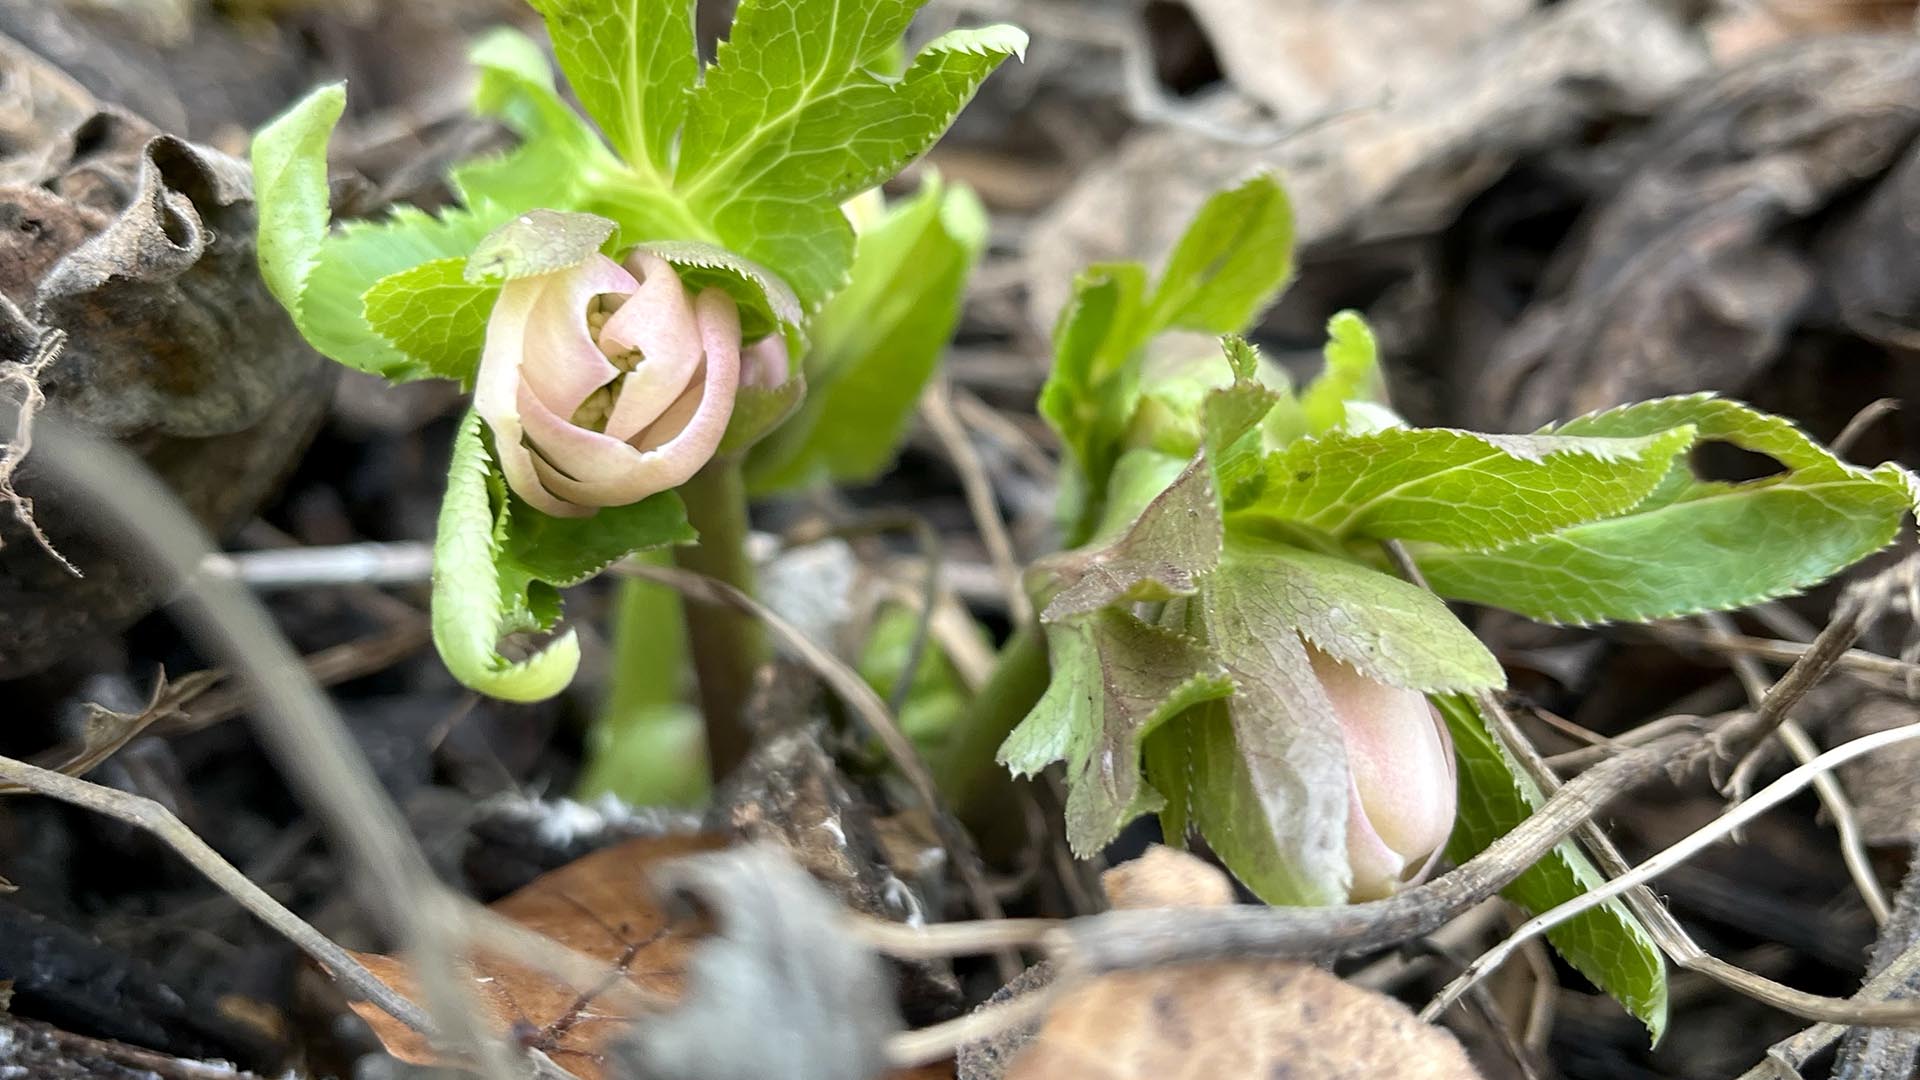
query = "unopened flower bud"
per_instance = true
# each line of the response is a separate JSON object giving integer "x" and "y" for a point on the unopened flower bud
{"x": 605, "y": 384}
{"x": 1401, "y": 795}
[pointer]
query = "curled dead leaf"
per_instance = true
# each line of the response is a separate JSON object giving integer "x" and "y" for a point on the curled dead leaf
{"x": 1269, "y": 1021}
{"x": 1273, "y": 1020}
{"x": 601, "y": 905}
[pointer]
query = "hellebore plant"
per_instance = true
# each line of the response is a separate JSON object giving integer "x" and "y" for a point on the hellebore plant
{"x": 632, "y": 295}
{"x": 669, "y": 308}
{"x": 1227, "y": 642}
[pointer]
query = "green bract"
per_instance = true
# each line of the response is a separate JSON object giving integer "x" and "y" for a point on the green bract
{"x": 1225, "y": 523}
{"x": 734, "y": 175}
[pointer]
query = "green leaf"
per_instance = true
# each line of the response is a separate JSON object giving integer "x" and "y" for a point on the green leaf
{"x": 1267, "y": 770}
{"x": 1234, "y": 258}
{"x": 1699, "y": 546}
{"x": 792, "y": 118}
{"x": 1230, "y": 421}
{"x": 475, "y": 602}
{"x": 1115, "y": 679}
{"x": 759, "y": 410}
{"x": 937, "y": 703}
{"x": 1091, "y": 390}
{"x": 567, "y": 551}
{"x": 632, "y": 64}
{"x": 290, "y": 192}
{"x": 537, "y": 242}
{"x": 1730, "y": 549}
{"x": 878, "y": 342}
{"x": 1352, "y": 374}
{"x": 1462, "y": 488}
{"x": 497, "y": 563}
{"x": 558, "y": 155}
{"x": 435, "y": 315}
{"x": 1607, "y": 945}
{"x": 1379, "y": 625}
{"x": 1175, "y": 541}
{"x": 767, "y": 305}
{"x": 356, "y": 258}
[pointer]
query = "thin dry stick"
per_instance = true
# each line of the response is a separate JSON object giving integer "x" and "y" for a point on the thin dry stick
{"x": 1883, "y": 671}
{"x": 1762, "y": 801}
{"x": 1853, "y": 849}
{"x": 937, "y": 409}
{"x": 860, "y": 697}
{"x": 144, "y": 813}
{"x": 296, "y": 723}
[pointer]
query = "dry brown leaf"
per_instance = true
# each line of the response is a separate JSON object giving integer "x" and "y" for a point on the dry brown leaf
{"x": 602, "y": 906}
{"x": 1260, "y": 1021}
{"x": 1272, "y": 1021}
{"x": 1166, "y": 877}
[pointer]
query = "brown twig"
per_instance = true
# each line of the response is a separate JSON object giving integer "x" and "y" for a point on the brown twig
{"x": 937, "y": 409}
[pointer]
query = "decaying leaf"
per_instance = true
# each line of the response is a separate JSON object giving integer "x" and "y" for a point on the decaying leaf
{"x": 780, "y": 990}
{"x": 1166, "y": 877}
{"x": 602, "y": 906}
{"x": 139, "y": 247}
{"x": 1275, "y": 1020}
{"x": 1693, "y": 272}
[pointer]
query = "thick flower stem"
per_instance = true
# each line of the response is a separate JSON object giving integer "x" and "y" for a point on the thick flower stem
{"x": 728, "y": 647}
{"x": 976, "y": 786}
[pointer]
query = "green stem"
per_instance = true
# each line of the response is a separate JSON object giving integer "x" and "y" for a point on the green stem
{"x": 728, "y": 647}
{"x": 976, "y": 784}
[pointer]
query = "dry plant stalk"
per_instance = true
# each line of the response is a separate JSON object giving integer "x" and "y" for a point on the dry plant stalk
{"x": 20, "y": 388}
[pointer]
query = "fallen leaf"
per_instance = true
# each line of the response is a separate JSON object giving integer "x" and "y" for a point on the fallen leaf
{"x": 601, "y": 905}
{"x": 1270, "y": 1021}
{"x": 781, "y": 988}
{"x": 1166, "y": 877}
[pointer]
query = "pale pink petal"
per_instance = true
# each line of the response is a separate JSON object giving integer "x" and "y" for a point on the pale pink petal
{"x": 674, "y": 420}
{"x": 1401, "y": 764}
{"x": 589, "y": 471}
{"x": 1378, "y": 870}
{"x": 658, "y": 320}
{"x": 563, "y": 364}
{"x": 764, "y": 363}
{"x": 496, "y": 393}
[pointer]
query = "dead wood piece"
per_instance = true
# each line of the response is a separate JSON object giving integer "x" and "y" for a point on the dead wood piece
{"x": 139, "y": 247}
{"x": 789, "y": 792}
{"x": 1888, "y": 1053}
{"x": 1690, "y": 276}
{"x": 61, "y": 975}
{"x": 43, "y": 1052}
{"x": 1399, "y": 168}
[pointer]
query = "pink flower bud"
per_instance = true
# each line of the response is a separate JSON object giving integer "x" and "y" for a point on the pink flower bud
{"x": 1401, "y": 798}
{"x": 605, "y": 384}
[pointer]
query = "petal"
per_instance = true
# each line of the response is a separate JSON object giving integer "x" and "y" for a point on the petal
{"x": 1378, "y": 870}
{"x": 658, "y": 320}
{"x": 562, "y": 364}
{"x": 586, "y": 469}
{"x": 1397, "y": 752}
{"x": 496, "y": 392}
{"x": 764, "y": 363}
